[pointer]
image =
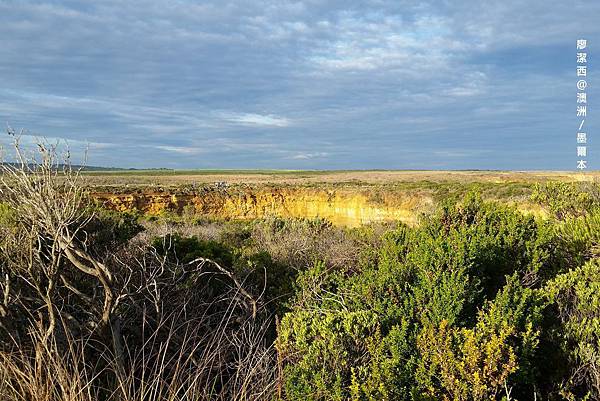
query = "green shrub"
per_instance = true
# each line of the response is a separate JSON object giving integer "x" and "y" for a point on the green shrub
{"x": 465, "y": 364}
{"x": 257, "y": 271}
{"x": 460, "y": 279}
{"x": 108, "y": 229}
{"x": 576, "y": 295}
{"x": 564, "y": 199}
{"x": 186, "y": 249}
{"x": 580, "y": 237}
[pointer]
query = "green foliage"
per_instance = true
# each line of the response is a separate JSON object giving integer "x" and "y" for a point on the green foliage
{"x": 443, "y": 312}
{"x": 186, "y": 249}
{"x": 465, "y": 364}
{"x": 330, "y": 343}
{"x": 108, "y": 229}
{"x": 576, "y": 295}
{"x": 256, "y": 270}
{"x": 476, "y": 363}
{"x": 7, "y": 217}
{"x": 564, "y": 199}
{"x": 580, "y": 237}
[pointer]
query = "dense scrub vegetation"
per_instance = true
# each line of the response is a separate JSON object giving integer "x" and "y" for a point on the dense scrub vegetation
{"x": 478, "y": 302}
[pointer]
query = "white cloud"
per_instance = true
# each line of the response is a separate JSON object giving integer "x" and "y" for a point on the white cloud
{"x": 376, "y": 41}
{"x": 459, "y": 153}
{"x": 472, "y": 84}
{"x": 251, "y": 119}
{"x": 181, "y": 149}
{"x": 308, "y": 156}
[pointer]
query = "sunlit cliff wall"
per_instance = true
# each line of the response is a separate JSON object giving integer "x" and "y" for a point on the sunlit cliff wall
{"x": 348, "y": 207}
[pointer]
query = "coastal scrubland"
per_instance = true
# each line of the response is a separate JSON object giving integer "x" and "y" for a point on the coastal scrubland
{"x": 490, "y": 292}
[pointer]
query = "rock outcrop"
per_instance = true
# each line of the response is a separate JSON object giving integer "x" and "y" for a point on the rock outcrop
{"x": 342, "y": 207}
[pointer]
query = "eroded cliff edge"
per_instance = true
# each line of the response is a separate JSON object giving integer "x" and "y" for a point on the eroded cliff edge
{"x": 341, "y": 206}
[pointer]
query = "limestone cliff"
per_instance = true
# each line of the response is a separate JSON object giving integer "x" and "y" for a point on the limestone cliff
{"x": 342, "y": 206}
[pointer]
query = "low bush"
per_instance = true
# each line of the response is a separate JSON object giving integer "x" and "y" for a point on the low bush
{"x": 452, "y": 309}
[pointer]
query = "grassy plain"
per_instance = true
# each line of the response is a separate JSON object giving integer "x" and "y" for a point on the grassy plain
{"x": 175, "y": 177}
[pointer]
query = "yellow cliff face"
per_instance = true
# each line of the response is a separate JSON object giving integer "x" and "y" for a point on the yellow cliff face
{"x": 340, "y": 207}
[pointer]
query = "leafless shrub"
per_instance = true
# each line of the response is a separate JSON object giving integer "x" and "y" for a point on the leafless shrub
{"x": 46, "y": 372}
{"x": 189, "y": 363}
{"x": 300, "y": 243}
{"x": 129, "y": 324}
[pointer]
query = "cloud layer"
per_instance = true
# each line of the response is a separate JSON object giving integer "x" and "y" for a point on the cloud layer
{"x": 309, "y": 84}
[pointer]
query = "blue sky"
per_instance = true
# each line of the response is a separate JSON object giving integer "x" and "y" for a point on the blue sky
{"x": 305, "y": 84}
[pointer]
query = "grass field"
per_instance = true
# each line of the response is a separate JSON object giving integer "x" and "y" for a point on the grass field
{"x": 183, "y": 177}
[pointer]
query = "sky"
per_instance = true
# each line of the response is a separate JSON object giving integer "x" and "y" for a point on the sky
{"x": 339, "y": 84}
